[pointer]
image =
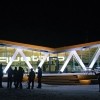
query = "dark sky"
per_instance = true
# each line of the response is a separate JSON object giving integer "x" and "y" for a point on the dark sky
{"x": 48, "y": 23}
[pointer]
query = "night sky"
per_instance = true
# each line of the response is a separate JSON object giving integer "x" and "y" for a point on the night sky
{"x": 51, "y": 24}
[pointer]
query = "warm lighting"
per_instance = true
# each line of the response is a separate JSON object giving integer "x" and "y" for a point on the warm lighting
{"x": 85, "y": 82}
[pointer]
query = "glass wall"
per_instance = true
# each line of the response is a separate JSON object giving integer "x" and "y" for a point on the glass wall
{"x": 54, "y": 61}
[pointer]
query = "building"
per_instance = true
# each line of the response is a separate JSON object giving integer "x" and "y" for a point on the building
{"x": 73, "y": 59}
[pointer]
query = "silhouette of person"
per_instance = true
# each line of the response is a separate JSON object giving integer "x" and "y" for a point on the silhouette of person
{"x": 31, "y": 78}
{"x": 20, "y": 77}
{"x": 39, "y": 76}
{"x": 98, "y": 77}
{"x": 1, "y": 75}
{"x": 10, "y": 77}
{"x": 15, "y": 73}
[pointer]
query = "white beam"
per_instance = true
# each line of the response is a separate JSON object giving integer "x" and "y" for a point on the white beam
{"x": 10, "y": 62}
{"x": 42, "y": 61}
{"x": 95, "y": 58}
{"x": 66, "y": 62}
{"x": 24, "y": 57}
{"x": 79, "y": 60}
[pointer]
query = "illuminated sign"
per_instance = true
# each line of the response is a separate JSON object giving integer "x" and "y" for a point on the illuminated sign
{"x": 33, "y": 58}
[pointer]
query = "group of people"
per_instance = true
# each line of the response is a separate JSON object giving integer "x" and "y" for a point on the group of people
{"x": 16, "y": 76}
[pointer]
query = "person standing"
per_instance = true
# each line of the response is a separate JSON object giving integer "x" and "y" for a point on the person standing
{"x": 39, "y": 76}
{"x": 10, "y": 77}
{"x": 15, "y": 73}
{"x": 98, "y": 77}
{"x": 31, "y": 78}
{"x": 1, "y": 75}
{"x": 20, "y": 78}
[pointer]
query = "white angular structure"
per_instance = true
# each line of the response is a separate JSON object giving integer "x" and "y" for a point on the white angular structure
{"x": 28, "y": 56}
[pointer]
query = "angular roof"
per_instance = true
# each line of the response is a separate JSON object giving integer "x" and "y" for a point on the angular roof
{"x": 48, "y": 49}
{"x": 53, "y": 40}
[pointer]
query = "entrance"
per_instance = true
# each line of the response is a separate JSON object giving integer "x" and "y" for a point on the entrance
{"x": 53, "y": 64}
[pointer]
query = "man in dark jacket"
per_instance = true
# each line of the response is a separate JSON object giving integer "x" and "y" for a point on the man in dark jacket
{"x": 15, "y": 73}
{"x": 20, "y": 74}
{"x": 98, "y": 77}
{"x": 39, "y": 76}
{"x": 31, "y": 78}
{"x": 1, "y": 75}
{"x": 10, "y": 77}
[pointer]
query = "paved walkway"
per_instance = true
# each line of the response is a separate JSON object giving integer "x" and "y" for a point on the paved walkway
{"x": 51, "y": 92}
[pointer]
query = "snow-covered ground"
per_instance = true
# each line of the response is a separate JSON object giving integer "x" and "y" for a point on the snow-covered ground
{"x": 51, "y": 92}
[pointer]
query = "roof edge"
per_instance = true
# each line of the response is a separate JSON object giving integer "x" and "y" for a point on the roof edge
{"x": 29, "y": 46}
{"x": 47, "y": 49}
{"x": 77, "y": 46}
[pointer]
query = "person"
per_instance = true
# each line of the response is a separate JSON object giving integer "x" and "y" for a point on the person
{"x": 31, "y": 78}
{"x": 98, "y": 77}
{"x": 39, "y": 76}
{"x": 1, "y": 76}
{"x": 20, "y": 74}
{"x": 15, "y": 73}
{"x": 10, "y": 77}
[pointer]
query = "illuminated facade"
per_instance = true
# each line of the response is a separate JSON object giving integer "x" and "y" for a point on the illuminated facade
{"x": 75, "y": 58}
